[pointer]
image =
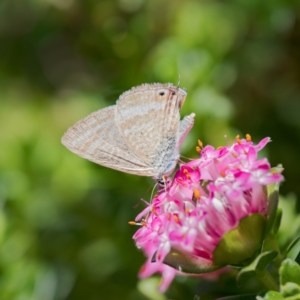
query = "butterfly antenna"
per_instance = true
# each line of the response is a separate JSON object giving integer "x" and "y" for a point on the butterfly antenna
{"x": 178, "y": 84}
{"x": 142, "y": 199}
{"x": 153, "y": 192}
{"x": 188, "y": 158}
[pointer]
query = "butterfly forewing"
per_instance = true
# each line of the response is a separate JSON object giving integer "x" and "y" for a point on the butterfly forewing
{"x": 97, "y": 139}
{"x": 140, "y": 135}
{"x": 138, "y": 118}
{"x": 167, "y": 154}
{"x": 148, "y": 118}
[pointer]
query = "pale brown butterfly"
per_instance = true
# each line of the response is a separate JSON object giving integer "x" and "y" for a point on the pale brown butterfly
{"x": 141, "y": 134}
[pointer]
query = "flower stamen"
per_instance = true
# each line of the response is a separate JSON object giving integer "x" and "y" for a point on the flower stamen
{"x": 238, "y": 139}
{"x": 186, "y": 173}
{"x": 199, "y": 147}
{"x": 186, "y": 209}
{"x": 176, "y": 218}
{"x": 143, "y": 223}
{"x": 222, "y": 173}
{"x": 196, "y": 194}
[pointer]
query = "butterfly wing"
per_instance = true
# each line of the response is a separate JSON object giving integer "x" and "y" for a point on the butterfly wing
{"x": 185, "y": 126}
{"x": 148, "y": 118}
{"x": 97, "y": 139}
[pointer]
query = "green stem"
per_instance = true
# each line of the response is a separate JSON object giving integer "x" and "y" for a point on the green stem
{"x": 268, "y": 281}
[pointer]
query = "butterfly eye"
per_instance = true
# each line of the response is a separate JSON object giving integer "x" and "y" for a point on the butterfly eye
{"x": 161, "y": 93}
{"x": 173, "y": 93}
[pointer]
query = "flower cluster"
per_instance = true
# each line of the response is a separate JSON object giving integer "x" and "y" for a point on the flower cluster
{"x": 207, "y": 198}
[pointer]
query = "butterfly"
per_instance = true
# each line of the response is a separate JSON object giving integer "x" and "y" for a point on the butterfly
{"x": 141, "y": 134}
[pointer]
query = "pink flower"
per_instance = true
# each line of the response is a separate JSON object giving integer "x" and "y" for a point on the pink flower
{"x": 208, "y": 197}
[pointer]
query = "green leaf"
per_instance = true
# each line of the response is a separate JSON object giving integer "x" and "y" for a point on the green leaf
{"x": 297, "y": 259}
{"x": 274, "y": 186}
{"x": 239, "y": 245}
{"x": 273, "y": 199}
{"x": 256, "y": 268}
{"x": 289, "y": 272}
{"x": 290, "y": 289}
{"x": 271, "y": 295}
{"x": 188, "y": 263}
{"x": 277, "y": 221}
{"x": 293, "y": 248}
{"x": 290, "y": 223}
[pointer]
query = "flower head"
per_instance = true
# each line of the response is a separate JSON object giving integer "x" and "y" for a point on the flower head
{"x": 184, "y": 225}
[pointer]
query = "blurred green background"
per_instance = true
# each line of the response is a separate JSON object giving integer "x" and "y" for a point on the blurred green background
{"x": 63, "y": 220}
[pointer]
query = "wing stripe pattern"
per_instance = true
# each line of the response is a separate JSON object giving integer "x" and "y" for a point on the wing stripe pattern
{"x": 96, "y": 138}
{"x": 140, "y": 135}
